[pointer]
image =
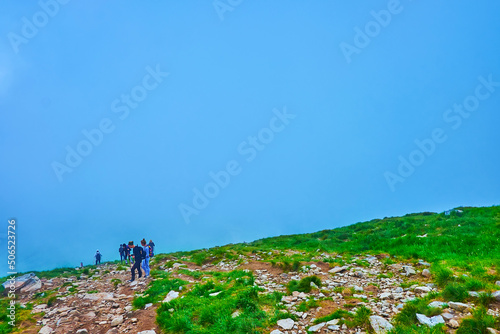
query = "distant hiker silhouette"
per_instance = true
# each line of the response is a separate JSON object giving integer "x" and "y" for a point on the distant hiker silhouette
{"x": 152, "y": 246}
{"x": 138, "y": 255}
{"x": 98, "y": 257}
{"x": 121, "y": 250}
{"x": 145, "y": 260}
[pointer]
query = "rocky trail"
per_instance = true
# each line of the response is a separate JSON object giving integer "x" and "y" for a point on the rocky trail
{"x": 102, "y": 303}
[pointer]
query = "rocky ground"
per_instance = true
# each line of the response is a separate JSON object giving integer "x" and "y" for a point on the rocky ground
{"x": 103, "y": 303}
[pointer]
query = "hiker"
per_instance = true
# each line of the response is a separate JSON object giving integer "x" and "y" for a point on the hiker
{"x": 97, "y": 258}
{"x": 138, "y": 251}
{"x": 121, "y": 250}
{"x": 126, "y": 253}
{"x": 152, "y": 246}
{"x": 145, "y": 260}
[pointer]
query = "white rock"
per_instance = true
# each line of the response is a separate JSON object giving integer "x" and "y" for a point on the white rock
{"x": 454, "y": 324}
{"x": 46, "y": 330}
{"x": 171, "y": 296}
{"x": 436, "y": 304}
{"x": 147, "y": 332}
{"x": 426, "y": 273}
{"x": 117, "y": 321}
{"x": 492, "y": 330}
{"x": 276, "y": 331}
{"x": 431, "y": 322}
{"x": 447, "y": 316}
{"x": 215, "y": 294}
{"x": 458, "y": 306}
{"x": 496, "y": 295}
{"x": 422, "y": 289}
{"x": 317, "y": 327}
{"x": 379, "y": 324}
{"x": 332, "y": 322}
{"x": 385, "y": 295}
{"x": 82, "y": 331}
{"x": 337, "y": 269}
{"x": 286, "y": 323}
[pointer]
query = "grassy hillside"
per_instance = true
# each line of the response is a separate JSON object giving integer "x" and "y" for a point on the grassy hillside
{"x": 239, "y": 288}
{"x": 458, "y": 239}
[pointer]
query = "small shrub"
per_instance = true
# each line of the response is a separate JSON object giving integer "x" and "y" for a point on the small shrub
{"x": 304, "y": 285}
{"x": 442, "y": 275}
{"x": 479, "y": 322}
{"x": 455, "y": 292}
{"x": 485, "y": 299}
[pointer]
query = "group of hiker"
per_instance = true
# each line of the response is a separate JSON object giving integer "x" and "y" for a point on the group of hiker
{"x": 137, "y": 256}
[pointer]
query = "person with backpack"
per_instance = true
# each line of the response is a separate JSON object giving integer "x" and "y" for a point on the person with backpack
{"x": 145, "y": 260}
{"x": 152, "y": 248}
{"x": 98, "y": 257}
{"x": 121, "y": 250}
{"x": 137, "y": 256}
{"x": 126, "y": 253}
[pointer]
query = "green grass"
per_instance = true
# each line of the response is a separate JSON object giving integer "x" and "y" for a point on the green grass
{"x": 478, "y": 323}
{"x": 476, "y": 240}
{"x": 157, "y": 291}
{"x": 408, "y": 315}
{"x": 198, "y": 312}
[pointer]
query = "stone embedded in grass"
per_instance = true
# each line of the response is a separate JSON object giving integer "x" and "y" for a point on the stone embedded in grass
{"x": 380, "y": 325}
{"x": 437, "y": 304}
{"x": 431, "y": 322}
{"x": 426, "y": 273}
{"x": 171, "y": 296}
{"x": 286, "y": 323}
{"x": 461, "y": 307}
{"x": 422, "y": 289}
{"x": 496, "y": 295}
{"x": 147, "y": 332}
{"x": 276, "y": 331}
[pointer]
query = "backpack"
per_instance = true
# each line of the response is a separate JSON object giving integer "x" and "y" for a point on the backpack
{"x": 150, "y": 251}
{"x": 142, "y": 254}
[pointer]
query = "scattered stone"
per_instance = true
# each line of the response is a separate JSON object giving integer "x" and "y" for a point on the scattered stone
{"x": 447, "y": 316}
{"x": 453, "y": 323}
{"x": 338, "y": 269}
{"x": 171, "y": 296}
{"x": 147, "y": 332}
{"x": 317, "y": 327}
{"x": 422, "y": 289}
{"x": 46, "y": 330}
{"x": 426, "y": 273}
{"x": 380, "y": 325}
{"x": 496, "y": 295}
{"x": 461, "y": 307}
{"x": 286, "y": 323}
{"x": 431, "y": 322}
{"x": 276, "y": 331}
{"x": 436, "y": 304}
{"x": 492, "y": 330}
{"x": 82, "y": 331}
{"x": 117, "y": 321}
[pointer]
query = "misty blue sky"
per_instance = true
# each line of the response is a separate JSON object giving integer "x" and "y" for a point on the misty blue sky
{"x": 358, "y": 93}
